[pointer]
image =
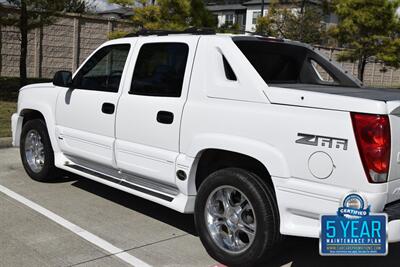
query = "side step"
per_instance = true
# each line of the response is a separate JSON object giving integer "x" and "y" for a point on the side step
{"x": 162, "y": 191}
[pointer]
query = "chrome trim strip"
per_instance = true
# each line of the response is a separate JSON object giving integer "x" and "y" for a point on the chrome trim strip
{"x": 127, "y": 179}
{"x": 121, "y": 182}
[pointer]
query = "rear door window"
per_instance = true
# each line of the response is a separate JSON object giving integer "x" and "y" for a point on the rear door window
{"x": 160, "y": 69}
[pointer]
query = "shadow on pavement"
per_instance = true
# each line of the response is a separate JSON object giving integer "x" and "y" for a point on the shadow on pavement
{"x": 299, "y": 251}
{"x": 304, "y": 252}
{"x": 184, "y": 222}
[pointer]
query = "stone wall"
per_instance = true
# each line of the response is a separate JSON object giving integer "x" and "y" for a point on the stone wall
{"x": 61, "y": 46}
{"x": 376, "y": 74}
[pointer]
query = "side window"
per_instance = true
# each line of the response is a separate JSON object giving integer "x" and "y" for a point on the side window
{"x": 256, "y": 15}
{"x": 229, "y": 19}
{"x": 103, "y": 71}
{"x": 321, "y": 73}
{"x": 160, "y": 69}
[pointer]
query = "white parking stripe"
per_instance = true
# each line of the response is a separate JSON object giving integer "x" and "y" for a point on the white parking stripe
{"x": 101, "y": 243}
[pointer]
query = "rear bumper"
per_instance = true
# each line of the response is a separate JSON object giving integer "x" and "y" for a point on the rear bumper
{"x": 393, "y": 212}
{"x": 301, "y": 204}
{"x": 394, "y": 231}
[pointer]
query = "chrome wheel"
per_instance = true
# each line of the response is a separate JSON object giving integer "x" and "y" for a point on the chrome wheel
{"x": 34, "y": 151}
{"x": 230, "y": 219}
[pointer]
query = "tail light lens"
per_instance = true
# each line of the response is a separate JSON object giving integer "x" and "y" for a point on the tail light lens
{"x": 373, "y": 140}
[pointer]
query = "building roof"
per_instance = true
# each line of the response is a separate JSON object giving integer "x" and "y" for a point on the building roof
{"x": 258, "y": 2}
{"x": 124, "y": 11}
{"x": 214, "y": 8}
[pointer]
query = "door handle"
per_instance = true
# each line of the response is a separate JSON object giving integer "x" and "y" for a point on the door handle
{"x": 165, "y": 117}
{"x": 108, "y": 108}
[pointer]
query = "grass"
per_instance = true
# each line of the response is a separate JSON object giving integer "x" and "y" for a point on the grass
{"x": 9, "y": 88}
{"x": 7, "y": 108}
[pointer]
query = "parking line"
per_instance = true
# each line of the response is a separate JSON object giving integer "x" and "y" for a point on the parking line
{"x": 95, "y": 240}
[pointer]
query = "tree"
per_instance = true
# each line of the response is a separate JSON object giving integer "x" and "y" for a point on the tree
{"x": 76, "y": 6}
{"x": 169, "y": 14}
{"x": 300, "y": 21}
{"x": 229, "y": 28}
{"x": 175, "y": 14}
{"x": 29, "y": 15}
{"x": 147, "y": 16}
{"x": 305, "y": 26}
{"x": 369, "y": 30}
{"x": 200, "y": 15}
{"x": 271, "y": 24}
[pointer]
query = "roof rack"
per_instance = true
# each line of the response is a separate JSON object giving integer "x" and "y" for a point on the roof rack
{"x": 192, "y": 30}
{"x": 266, "y": 37}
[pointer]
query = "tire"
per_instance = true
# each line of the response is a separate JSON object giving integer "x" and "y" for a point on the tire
{"x": 37, "y": 157}
{"x": 261, "y": 218}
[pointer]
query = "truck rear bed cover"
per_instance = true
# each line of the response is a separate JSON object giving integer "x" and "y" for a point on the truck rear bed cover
{"x": 366, "y": 93}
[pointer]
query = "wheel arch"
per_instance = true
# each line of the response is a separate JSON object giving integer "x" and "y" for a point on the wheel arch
{"x": 31, "y": 113}
{"x": 211, "y": 160}
{"x": 230, "y": 151}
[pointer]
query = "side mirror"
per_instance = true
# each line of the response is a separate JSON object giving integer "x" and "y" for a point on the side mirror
{"x": 63, "y": 78}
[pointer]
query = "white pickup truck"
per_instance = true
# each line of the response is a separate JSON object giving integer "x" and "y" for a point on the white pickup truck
{"x": 256, "y": 136}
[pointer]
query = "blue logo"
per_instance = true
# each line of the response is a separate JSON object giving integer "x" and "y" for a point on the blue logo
{"x": 353, "y": 230}
{"x": 354, "y": 207}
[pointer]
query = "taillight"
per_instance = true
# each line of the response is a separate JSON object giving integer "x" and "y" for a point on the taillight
{"x": 373, "y": 140}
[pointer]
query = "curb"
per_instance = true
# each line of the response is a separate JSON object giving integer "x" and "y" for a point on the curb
{"x": 5, "y": 142}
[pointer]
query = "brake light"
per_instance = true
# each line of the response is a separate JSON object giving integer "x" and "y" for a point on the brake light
{"x": 373, "y": 140}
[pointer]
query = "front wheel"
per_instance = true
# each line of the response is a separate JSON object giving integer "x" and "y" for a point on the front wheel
{"x": 236, "y": 217}
{"x": 36, "y": 152}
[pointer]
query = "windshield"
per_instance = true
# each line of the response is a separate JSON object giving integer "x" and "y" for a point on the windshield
{"x": 280, "y": 62}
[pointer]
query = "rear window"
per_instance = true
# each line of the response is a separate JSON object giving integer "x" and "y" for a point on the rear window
{"x": 280, "y": 62}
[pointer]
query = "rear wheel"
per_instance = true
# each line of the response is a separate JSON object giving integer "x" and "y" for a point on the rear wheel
{"x": 36, "y": 152}
{"x": 237, "y": 217}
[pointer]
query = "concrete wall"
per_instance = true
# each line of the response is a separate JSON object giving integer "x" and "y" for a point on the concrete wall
{"x": 375, "y": 73}
{"x": 61, "y": 46}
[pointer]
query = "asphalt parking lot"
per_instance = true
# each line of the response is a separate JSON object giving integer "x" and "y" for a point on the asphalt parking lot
{"x": 141, "y": 230}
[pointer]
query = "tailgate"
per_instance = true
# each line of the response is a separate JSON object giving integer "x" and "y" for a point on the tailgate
{"x": 394, "y": 170}
{"x": 394, "y": 117}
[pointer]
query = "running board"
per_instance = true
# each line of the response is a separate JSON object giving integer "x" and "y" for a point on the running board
{"x": 120, "y": 181}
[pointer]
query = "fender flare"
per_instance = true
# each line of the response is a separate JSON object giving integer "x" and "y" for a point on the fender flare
{"x": 46, "y": 112}
{"x": 267, "y": 154}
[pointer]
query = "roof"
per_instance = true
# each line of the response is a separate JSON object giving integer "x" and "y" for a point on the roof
{"x": 258, "y": 2}
{"x": 121, "y": 11}
{"x": 255, "y": 2}
{"x": 225, "y": 7}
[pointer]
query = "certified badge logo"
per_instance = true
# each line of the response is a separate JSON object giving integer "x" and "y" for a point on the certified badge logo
{"x": 354, "y": 207}
{"x": 354, "y": 230}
